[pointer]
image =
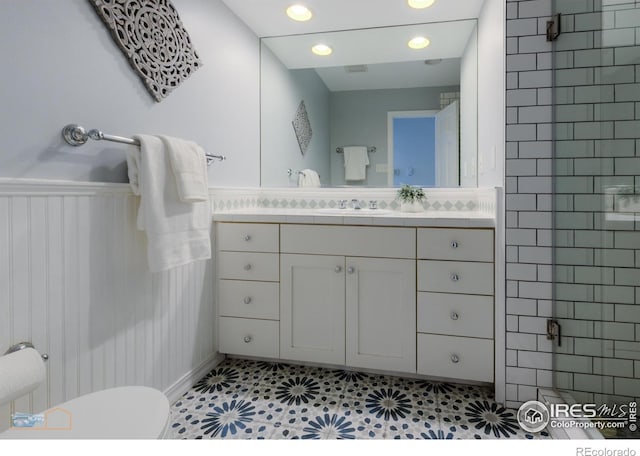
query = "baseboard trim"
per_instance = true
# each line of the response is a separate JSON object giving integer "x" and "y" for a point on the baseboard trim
{"x": 175, "y": 391}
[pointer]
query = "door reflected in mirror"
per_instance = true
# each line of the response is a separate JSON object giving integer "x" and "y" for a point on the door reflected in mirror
{"x": 416, "y": 108}
{"x": 423, "y": 148}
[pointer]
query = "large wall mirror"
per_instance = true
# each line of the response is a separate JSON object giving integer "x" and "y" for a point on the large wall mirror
{"x": 399, "y": 115}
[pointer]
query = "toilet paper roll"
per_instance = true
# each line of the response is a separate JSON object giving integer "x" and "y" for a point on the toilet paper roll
{"x": 20, "y": 373}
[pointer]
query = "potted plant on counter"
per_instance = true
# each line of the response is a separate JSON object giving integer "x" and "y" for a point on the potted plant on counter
{"x": 411, "y": 198}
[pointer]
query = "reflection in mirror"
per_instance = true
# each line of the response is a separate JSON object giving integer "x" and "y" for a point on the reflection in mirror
{"x": 381, "y": 114}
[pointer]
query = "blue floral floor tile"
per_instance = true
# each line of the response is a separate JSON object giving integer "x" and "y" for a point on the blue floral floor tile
{"x": 247, "y": 399}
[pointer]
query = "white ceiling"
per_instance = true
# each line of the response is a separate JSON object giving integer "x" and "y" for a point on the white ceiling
{"x": 364, "y": 32}
{"x": 393, "y": 76}
{"x": 268, "y": 18}
{"x": 373, "y": 45}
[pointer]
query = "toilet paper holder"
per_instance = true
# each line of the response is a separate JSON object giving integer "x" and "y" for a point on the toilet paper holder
{"x": 21, "y": 346}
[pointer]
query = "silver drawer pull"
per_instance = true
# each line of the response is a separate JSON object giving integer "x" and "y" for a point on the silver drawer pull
{"x": 455, "y": 277}
{"x": 455, "y": 359}
{"x": 338, "y": 269}
{"x": 454, "y": 244}
{"x": 247, "y": 300}
{"x": 247, "y": 339}
{"x": 247, "y": 267}
{"x": 247, "y": 237}
{"x": 454, "y": 315}
{"x": 351, "y": 270}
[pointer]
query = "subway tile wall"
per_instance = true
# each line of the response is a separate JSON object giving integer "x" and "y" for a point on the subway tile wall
{"x": 597, "y": 157}
{"x": 528, "y": 194}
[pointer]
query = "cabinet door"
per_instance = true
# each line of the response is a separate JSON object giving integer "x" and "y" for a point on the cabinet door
{"x": 381, "y": 314}
{"x": 312, "y": 308}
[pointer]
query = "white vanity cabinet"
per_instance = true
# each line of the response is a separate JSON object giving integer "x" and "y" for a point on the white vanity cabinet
{"x": 455, "y": 303}
{"x": 248, "y": 288}
{"x": 381, "y": 313}
{"x": 312, "y": 299}
{"x": 393, "y": 299}
{"x": 348, "y": 309}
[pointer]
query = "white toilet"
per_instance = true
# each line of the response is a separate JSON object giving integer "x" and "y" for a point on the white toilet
{"x": 129, "y": 412}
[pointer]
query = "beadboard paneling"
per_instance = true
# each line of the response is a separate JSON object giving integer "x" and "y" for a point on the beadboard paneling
{"x": 74, "y": 281}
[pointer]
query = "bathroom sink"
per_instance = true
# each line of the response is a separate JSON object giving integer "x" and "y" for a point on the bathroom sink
{"x": 350, "y": 211}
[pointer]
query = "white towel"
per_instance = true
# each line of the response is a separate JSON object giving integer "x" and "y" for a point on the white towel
{"x": 189, "y": 166}
{"x": 177, "y": 232}
{"x": 308, "y": 178}
{"x": 356, "y": 160}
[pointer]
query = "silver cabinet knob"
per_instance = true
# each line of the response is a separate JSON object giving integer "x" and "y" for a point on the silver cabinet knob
{"x": 247, "y": 267}
{"x": 247, "y": 339}
{"x": 454, "y": 244}
{"x": 247, "y": 300}
{"x": 351, "y": 270}
{"x": 454, "y": 315}
{"x": 247, "y": 237}
{"x": 455, "y": 359}
{"x": 338, "y": 269}
{"x": 455, "y": 277}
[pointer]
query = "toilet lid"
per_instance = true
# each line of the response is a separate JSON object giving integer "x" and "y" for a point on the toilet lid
{"x": 131, "y": 412}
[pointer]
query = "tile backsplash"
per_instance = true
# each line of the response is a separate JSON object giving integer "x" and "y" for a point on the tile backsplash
{"x": 440, "y": 200}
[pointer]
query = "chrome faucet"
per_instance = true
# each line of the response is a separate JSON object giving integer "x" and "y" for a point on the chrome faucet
{"x": 342, "y": 204}
{"x": 355, "y": 204}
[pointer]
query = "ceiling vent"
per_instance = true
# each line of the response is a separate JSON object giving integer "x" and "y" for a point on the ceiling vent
{"x": 356, "y": 68}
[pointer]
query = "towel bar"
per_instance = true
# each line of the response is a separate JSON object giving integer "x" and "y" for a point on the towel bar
{"x": 75, "y": 135}
{"x": 21, "y": 346}
{"x": 370, "y": 149}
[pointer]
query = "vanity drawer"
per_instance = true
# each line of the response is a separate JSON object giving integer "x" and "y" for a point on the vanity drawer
{"x": 248, "y": 237}
{"x": 246, "y": 336}
{"x": 238, "y": 298}
{"x": 455, "y": 244}
{"x": 455, "y": 314}
{"x": 248, "y": 266}
{"x": 455, "y": 277}
{"x": 455, "y": 357}
{"x": 349, "y": 241}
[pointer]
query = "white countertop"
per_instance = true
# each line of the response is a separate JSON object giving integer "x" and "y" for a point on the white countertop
{"x": 463, "y": 219}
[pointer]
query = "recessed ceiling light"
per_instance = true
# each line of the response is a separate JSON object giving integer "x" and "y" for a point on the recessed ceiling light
{"x": 321, "y": 49}
{"x": 299, "y": 13}
{"x": 420, "y": 4}
{"x": 419, "y": 42}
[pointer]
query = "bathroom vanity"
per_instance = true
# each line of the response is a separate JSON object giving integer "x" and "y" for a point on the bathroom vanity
{"x": 390, "y": 292}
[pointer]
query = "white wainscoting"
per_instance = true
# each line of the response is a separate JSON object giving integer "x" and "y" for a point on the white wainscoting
{"x": 75, "y": 282}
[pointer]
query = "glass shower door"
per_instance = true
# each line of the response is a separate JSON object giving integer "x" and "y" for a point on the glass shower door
{"x": 597, "y": 204}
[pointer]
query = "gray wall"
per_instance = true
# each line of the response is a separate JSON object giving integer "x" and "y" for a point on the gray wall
{"x": 281, "y": 93}
{"x": 60, "y": 65}
{"x": 359, "y": 117}
{"x": 491, "y": 80}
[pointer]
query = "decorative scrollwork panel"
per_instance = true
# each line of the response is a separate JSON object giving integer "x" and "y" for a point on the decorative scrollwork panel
{"x": 154, "y": 40}
{"x": 302, "y": 127}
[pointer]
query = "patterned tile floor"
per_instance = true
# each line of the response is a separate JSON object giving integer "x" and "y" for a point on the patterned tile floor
{"x": 245, "y": 399}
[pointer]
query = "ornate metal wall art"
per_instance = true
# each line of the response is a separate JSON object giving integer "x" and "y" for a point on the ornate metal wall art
{"x": 151, "y": 35}
{"x": 302, "y": 127}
